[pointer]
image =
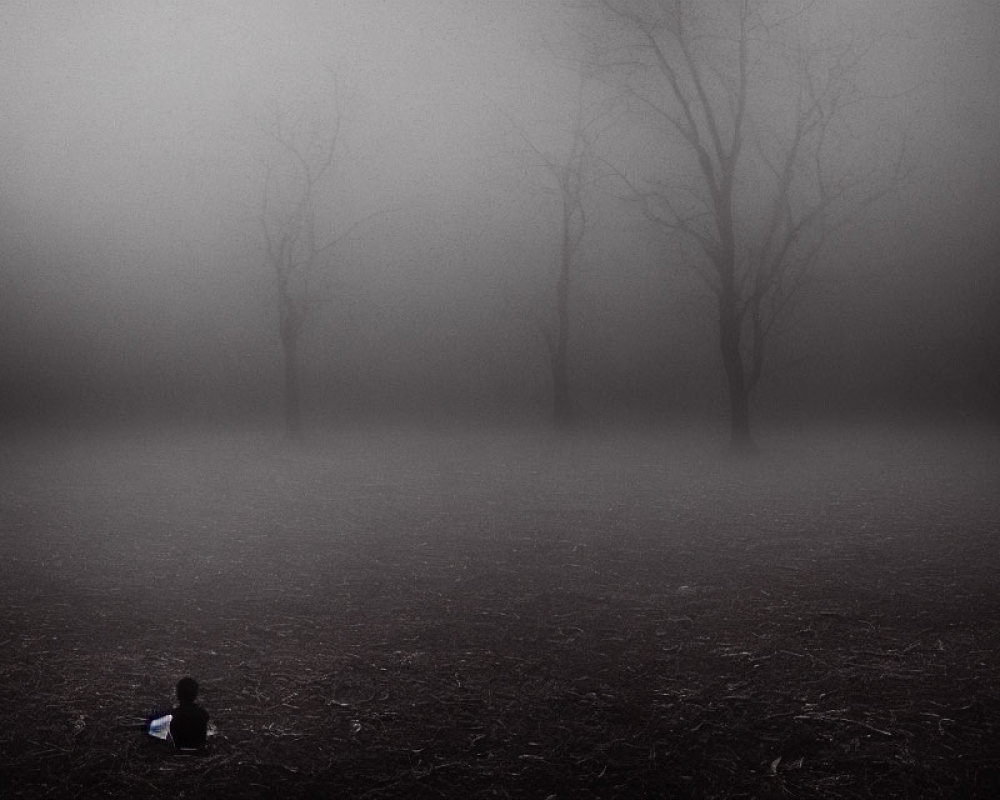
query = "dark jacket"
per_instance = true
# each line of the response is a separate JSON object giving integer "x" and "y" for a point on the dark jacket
{"x": 189, "y": 725}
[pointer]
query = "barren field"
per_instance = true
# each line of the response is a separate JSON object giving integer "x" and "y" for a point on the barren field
{"x": 391, "y": 614}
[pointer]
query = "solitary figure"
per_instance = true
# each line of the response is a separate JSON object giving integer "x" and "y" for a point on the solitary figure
{"x": 187, "y": 724}
{"x": 189, "y": 721}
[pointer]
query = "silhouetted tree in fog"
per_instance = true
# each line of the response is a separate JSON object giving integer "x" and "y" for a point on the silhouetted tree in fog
{"x": 758, "y": 166}
{"x": 299, "y": 235}
{"x": 572, "y": 171}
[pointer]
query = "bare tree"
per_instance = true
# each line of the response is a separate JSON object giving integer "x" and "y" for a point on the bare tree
{"x": 757, "y": 172}
{"x": 571, "y": 171}
{"x": 300, "y": 238}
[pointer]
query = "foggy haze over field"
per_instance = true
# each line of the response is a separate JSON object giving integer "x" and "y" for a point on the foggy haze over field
{"x": 478, "y": 398}
{"x": 135, "y": 149}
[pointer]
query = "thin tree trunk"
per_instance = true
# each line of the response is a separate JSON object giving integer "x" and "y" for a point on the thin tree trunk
{"x": 736, "y": 382}
{"x": 562, "y": 404}
{"x": 730, "y": 321}
{"x": 292, "y": 409}
{"x": 741, "y": 440}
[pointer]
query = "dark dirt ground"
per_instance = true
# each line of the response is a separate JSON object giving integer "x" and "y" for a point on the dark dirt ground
{"x": 470, "y": 615}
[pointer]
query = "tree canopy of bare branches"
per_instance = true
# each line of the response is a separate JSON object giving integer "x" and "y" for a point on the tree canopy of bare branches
{"x": 572, "y": 171}
{"x": 754, "y": 119}
{"x": 299, "y": 227}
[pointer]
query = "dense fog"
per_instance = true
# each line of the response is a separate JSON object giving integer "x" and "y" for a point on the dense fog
{"x": 145, "y": 144}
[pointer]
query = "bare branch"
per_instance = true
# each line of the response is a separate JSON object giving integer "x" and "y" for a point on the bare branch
{"x": 772, "y": 191}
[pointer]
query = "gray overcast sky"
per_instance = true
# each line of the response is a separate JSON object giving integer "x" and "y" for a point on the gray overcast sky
{"x": 136, "y": 112}
{"x": 129, "y": 154}
{"x": 129, "y": 111}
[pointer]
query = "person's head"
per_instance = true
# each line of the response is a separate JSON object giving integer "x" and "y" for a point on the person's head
{"x": 187, "y": 690}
